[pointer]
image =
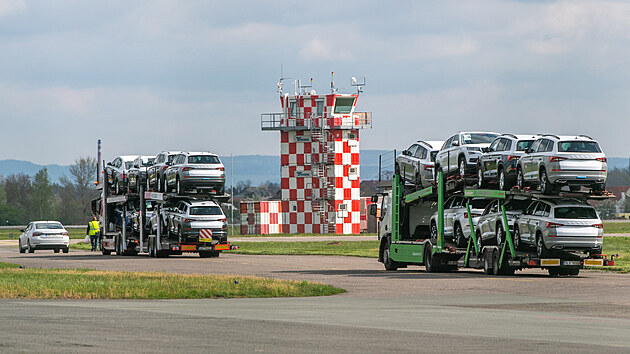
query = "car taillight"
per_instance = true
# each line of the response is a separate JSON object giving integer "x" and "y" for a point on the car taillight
{"x": 553, "y": 225}
{"x": 223, "y": 219}
{"x": 37, "y": 233}
{"x": 598, "y": 226}
{"x": 601, "y": 159}
{"x": 164, "y": 167}
{"x": 124, "y": 175}
{"x": 189, "y": 220}
{"x": 187, "y": 168}
{"x": 428, "y": 167}
{"x": 512, "y": 158}
{"x": 221, "y": 168}
{"x": 556, "y": 158}
{"x": 64, "y": 234}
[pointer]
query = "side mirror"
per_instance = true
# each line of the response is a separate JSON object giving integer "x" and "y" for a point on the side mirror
{"x": 486, "y": 149}
{"x": 406, "y": 153}
{"x": 374, "y": 199}
{"x": 528, "y": 150}
{"x": 109, "y": 164}
{"x": 168, "y": 163}
{"x": 23, "y": 230}
{"x": 372, "y": 209}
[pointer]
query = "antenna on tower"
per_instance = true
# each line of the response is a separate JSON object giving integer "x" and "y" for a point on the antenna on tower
{"x": 304, "y": 87}
{"x": 332, "y": 82}
{"x": 359, "y": 85}
{"x": 282, "y": 78}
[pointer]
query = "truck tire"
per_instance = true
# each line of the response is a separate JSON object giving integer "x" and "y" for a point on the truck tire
{"x": 429, "y": 264}
{"x": 65, "y": 249}
{"x": 460, "y": 240}
{"x": 496, "y": 267}
{"x": 553, "y": 271}
{"x": 390, "y": 264}
{"x": 487, "y": 262}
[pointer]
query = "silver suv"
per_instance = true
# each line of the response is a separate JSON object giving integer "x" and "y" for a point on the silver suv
{"x": 555, "y": 161}
{"x": 155, "y": 173}
{"x": 460, "y": 153}
{"x": 417, "y": 162}
{"x": 138, "y": 172}
{"x": 560, "y": 224}
{"x": 490, "y": 228}
{"x": 498, "y": 163}
{"x": 117, "y": 172}
{"x": 188, "y": 218}
{"x": 196, "y": 172}
{"x": 456, "y": 224}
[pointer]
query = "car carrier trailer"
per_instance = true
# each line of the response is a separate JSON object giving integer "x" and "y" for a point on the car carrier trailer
{"x": 405, "y": 240}
{"x": 121, "y": 240}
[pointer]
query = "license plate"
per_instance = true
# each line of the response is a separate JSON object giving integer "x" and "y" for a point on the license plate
{"x": 189, "y": 248}
{"x": 581, "y": 177}
{"x": 571, "y": 263}
{"x": 451, "y": 262}
{"x": 205, "y": 239}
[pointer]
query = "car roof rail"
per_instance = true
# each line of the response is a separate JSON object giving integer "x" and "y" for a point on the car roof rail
{"x": 552, "y": 135}
{"x": 510, "y": 135}
{"x": 585, "y": 136}
{"x": 424, "y": 142}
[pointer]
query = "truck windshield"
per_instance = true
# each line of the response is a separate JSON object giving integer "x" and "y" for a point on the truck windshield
{"x": 578, "y": 146}
{"x": 203, "y": 159}
{"x": 206, "y": 210}
{"x": 575, "y": 213}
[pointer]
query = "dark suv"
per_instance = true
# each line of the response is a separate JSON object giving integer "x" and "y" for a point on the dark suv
{"x": 499, "y": 161}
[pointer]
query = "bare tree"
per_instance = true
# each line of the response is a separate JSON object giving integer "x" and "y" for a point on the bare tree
{"x": 80, "y": 189}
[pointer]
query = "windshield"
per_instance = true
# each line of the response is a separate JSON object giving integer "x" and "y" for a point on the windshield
{"x": 575, "y": 213}
{"x": 522, "y": 145}
{"x": 206, "y": 210}
{"x": 128, "y": 165}
{"x": 203, "y": 159}
{"x": 516, "y": 205}
{"x": 479, "y": 203}
{"x": 478, "y": 138}
{"x": 49, "y": 225}
{"x": 578, "y": 146}
{"x": 171, "y": 158}
{"x": 147, "y": 162}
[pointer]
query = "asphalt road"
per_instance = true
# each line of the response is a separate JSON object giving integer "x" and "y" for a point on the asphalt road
{"x": 404, "y": 311}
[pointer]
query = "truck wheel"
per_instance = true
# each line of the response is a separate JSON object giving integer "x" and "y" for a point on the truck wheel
{"x": 390, "y": 265}
{"x": 487, "y": 262}
{"x": 496, "y": 267}
{"x": 573, "y": 271}
{"x": 428, "y": 259}
{"x": 434, "y": 233}
{"x": 105, "y": 252}
{"x": 65, "y": 249}
{"x": 553, "y": 271}
{"x": 56, "y": 250}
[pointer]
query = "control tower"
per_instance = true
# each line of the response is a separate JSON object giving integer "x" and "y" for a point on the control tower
{"x": 319, "y": 158}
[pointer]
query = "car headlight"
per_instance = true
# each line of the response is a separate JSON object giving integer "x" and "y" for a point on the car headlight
{"x": 474, "y": 149}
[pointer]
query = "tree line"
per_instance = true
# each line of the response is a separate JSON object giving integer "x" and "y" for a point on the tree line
{"x": 25, "y": 198}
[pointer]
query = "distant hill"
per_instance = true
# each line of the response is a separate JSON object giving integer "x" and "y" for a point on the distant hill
{"x": 255, "y": 168}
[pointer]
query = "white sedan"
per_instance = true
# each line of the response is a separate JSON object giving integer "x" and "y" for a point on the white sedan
{"x": 44, "y": 235}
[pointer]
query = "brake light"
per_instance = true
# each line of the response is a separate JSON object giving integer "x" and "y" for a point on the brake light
{"x": 553, "y": 225}
{"x": 64, "y": 234}
{"x": 556, "y": 158}
{"x": 37, "y": 233}
{"x": 188, "y": 220}
{"x": 601, "y": 159}
{"x": 598, "y": 226}
{"x": 164, "y": 167}
{"x": 124, "y": 175}
{"x": 512, "y": 158}
{"x": 221, "y": 168}
{"x": 428, "y": 167}
{"x": 187, "y": 168}
{"x": 223, "y": 219}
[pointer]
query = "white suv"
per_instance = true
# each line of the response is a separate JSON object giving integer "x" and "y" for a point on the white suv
{"x": 460, "y": 153}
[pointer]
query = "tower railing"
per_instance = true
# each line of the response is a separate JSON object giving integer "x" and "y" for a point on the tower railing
{"x": 282, "y": 121}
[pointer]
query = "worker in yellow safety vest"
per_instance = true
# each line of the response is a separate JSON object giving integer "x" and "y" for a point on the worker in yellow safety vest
{"x": 94, "y": 231}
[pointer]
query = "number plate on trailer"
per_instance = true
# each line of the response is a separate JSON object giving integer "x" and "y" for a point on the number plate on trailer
{"x": 571, "y": 263}
{"x": 451, "y": 263}
{"x": 549, "y": 262}
{"x": 594, "y": 262}
{"x": 222, "y": 247}
{"x": 189, "y": 247}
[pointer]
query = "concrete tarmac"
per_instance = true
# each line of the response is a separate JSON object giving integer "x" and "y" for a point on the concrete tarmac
{"x": 404, "y": 311}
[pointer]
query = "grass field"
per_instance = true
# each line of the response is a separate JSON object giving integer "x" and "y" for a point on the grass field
{"x": 39, "y": 283}
{"x": 345, "y": 248}
{"x": 616, "y": 227}
{"x": 621, "y": 246}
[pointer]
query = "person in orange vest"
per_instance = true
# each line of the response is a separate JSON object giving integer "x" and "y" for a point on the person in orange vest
{"x": 94, "y": 231}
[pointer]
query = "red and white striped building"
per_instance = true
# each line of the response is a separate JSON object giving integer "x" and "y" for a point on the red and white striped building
{"x": 319, "y": 158}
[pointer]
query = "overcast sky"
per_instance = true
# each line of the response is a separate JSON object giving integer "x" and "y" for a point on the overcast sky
{"x": 145, "y": 76}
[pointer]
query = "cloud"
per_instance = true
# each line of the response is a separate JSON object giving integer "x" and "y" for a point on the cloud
{"x": 8, "y": 7}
